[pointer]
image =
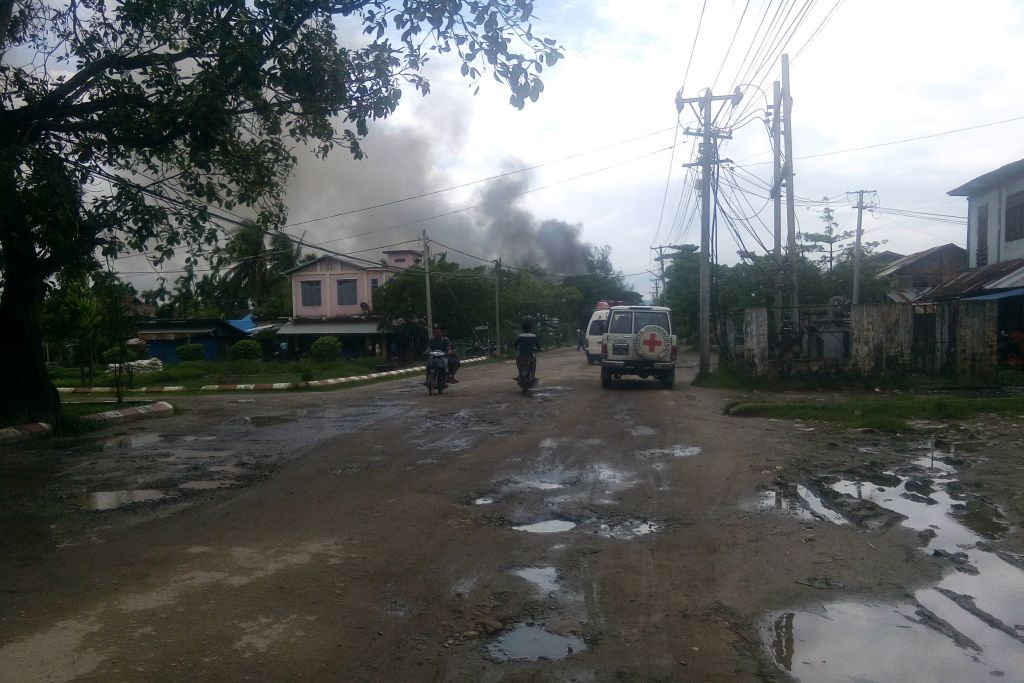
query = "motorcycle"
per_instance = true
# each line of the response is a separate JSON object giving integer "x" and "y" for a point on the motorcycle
{"x": 437, "y": 371}
{"x": 526, "y": 366}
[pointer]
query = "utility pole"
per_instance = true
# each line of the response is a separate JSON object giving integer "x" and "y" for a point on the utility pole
{"x": 497, "y": 310}
{"x": 426, "y": 275}
{"x": 708, "y": 158}
{"x": 661, "y": 273}
{"x": 856, "y": 245}
{"x": 777, "y": 199}
{"x": 794, "y": 256}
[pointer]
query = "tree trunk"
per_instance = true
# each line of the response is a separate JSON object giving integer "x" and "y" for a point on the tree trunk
{"x": 26, "y": 392}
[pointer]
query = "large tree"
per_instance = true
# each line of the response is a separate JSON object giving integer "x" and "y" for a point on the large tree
{"x": 126, "y": 126}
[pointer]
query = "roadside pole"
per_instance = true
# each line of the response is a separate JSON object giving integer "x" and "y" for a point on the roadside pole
{"x": 426, "y": 275}
{"x": 857, "y": 254}
{"x": 794, "y": 256}
{"x": 497, "y": 310}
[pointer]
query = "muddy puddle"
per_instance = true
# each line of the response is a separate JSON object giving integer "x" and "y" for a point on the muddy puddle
{"x": 128, "y": 441}
{"x": 967, "y": 627}
{"x": 110, "y": 500}
{"x": 676, "y": 451}
{"x": 544, "y": 579}
{"x": 628, "y": 529}
{"x": 532, "y": 643}
{"x": 550, "y": 526}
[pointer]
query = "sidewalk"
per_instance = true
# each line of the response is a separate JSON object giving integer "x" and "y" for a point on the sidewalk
{"x": 276, "y": 386}
{"x": 161, "y": 408}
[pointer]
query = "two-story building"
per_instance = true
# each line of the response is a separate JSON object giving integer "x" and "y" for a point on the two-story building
{"x": 995, "y": 249}
{"x": 995, "y": 215}
{"x": 333, "y": 296}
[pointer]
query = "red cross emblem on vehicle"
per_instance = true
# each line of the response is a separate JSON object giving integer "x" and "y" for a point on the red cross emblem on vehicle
{"x": 652, "y": 343}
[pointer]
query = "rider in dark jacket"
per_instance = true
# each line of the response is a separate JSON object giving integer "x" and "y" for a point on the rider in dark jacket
{"x": 527, "y": 344}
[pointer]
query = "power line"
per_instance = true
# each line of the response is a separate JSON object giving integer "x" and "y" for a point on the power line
{"x": 895, "y": 142}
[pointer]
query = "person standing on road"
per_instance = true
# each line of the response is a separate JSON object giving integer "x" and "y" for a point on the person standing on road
{"x": 579, "y": 340}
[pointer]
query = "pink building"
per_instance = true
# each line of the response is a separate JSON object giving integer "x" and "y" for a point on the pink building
{"x": 333, "y": 295}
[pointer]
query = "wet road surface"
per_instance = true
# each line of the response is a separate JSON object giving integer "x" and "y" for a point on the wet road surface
{"x": 577, "y": 533}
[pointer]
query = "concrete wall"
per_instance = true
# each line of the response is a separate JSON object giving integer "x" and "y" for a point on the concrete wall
{"x": 976, "y": 338}
{"x": 880, "y": 338}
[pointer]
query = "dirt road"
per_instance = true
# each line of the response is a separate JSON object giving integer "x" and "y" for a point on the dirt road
{"x": 380, "y": 534}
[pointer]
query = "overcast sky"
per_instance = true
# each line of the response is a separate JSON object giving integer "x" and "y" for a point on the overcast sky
{"x": 875, "y": 72}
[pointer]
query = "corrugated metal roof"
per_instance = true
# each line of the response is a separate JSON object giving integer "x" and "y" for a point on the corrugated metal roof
{"x": 365, "y": 265}
{"x": 901, "y": 263}
{"x": 994, "y": 296}
{"x": 983, "y": 182}
{"x": 978, "y": 280}
{"x": 348, "y": 327}
{"x": 1012, "y": 279}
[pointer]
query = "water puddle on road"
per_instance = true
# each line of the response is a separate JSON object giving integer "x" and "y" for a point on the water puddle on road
{"x": 110, "y": 500}
{"x": 207, "y": 485}
{"x": 551, "y": 526}
{"x": 673, "y": 452}
{"x": 533, "y": 643}
{"x": 967, "y": 627}
{"x": 127, "y": 441}
{"x": 269, "y": 420}
{"x": 544, "y": 579}
{"x": 641, "y": 430}
{"x": 624, "y": 531}
{"x": 484, "y": 500}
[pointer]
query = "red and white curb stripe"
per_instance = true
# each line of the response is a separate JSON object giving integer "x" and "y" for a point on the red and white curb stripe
{"x": 158, "y": 409}
{"x": 276, "y": 386}
{"x": 11, "y": 433}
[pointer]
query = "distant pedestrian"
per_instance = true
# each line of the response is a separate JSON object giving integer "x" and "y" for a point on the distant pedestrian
{"x": 283, "y": 352}
{"x": 580, "y": 339}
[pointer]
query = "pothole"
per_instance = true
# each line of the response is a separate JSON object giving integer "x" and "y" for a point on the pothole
{"x": 550, "y": 526}
{"x": 533, "y": 643}
{"x": 544, "y": 579}
{"x": 965, "y": 627}
{"x": 110, "y": 500}
{"x": 673, "y": 452}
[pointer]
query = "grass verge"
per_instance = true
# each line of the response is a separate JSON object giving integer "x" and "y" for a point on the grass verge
{"x": 884, "y": 414}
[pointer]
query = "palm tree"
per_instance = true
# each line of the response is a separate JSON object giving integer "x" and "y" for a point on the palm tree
{"x": 250, "y": 262}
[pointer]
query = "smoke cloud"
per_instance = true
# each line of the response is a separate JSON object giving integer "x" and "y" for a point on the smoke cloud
{"x": 403, "y": 162}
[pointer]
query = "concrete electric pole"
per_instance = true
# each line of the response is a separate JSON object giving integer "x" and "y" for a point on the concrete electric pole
{"x": 426, "y": 275}
{"x": 777, "y": 200}
{"x": 857, "y": 256}
{"x": 497, "y": 309}
{"x": 708, "y": 159}
{"x": 794, "y": 256}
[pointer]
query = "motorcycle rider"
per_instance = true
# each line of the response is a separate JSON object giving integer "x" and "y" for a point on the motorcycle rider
{"x": 438, "y": 342}
{"x": 527, "y": 344}
{"x": 453, "y": 358}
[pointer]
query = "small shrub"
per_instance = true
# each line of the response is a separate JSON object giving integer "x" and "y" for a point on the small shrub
{"x": 325, "y": 349}
{"x": 116, "y": 354}
{"x": 190, "y": 352}
{"x": 246, "y": 349}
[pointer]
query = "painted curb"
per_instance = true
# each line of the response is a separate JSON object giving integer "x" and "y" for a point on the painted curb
{"x": 158, "y": 409}
{"x": 276, "y": 386}
{"x": 22, "y": 431}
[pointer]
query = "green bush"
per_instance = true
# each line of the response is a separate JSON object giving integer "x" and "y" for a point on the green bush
{"x": 325, "y": 349}
{"x": 246, "y": 349}
{"x": 115, "y": 354}
{"x": 190, "y": 352}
